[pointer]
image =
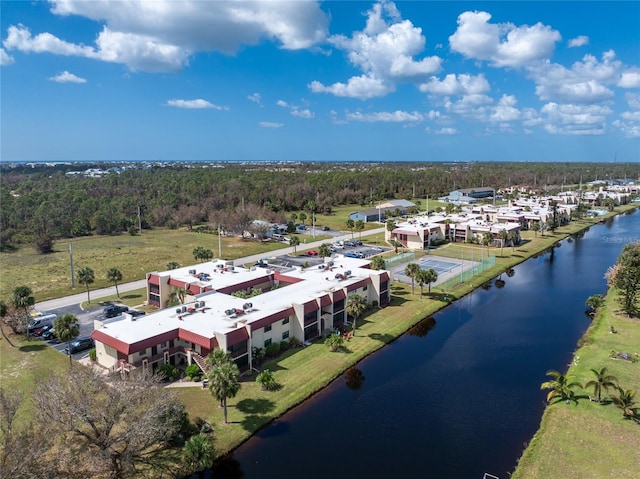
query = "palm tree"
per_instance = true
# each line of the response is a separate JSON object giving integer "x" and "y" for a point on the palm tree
{"x": 486, "y": 241}
{"x": 561, "y": 386}
{"x": 391, "y": 225}
{"x": 396, "y": 244}
{"x": 356, "y": 305}
{"x": 626, "y": 401}
{"x": 302, "y": 217}
{"x": 224, "y": 382}
{"x": 411, "y": 270}
{"x": 427, "y": 276}
{"x": 378, "y": 263}
{"x": 67, "y": 328}
{"x": 86, "y": 277}
{"x": 503, "y": 235}
{"x": 198, "y": 452}
{"x": 602, "y": 381}
{"x": 114, "y": 275}
{"x": 350, "y": 224}
{"x": 23, "y": 300}
{"x": 295, "y": 242}
{"x": 359, "y": 225}
{"x": 513, "y": 238}
{"x": 324, "y": 250}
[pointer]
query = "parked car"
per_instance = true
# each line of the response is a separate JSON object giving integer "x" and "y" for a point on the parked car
{"x": 114, "y": 310}
{"x": 312, "y": 253}
{"x": 49, "y": 334}
{"x": 351, "y": 254}
{"x": 136, "y": 313}
{"x": 79, "y": 344}
{"x": 326, "y": 228}
{"x": 349, "y": 243}
{"x": 42, "y": 330}
{"x": 42, "y": 321}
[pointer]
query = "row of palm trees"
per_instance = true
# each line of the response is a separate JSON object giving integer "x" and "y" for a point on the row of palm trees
{"x": 86, "y": 277}
{"x": 561, "y": 388}
{"x": 421, "y": 276}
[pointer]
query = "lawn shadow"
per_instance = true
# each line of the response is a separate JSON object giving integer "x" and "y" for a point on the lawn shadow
{"x": 384, "y": 338}
{"x": 256, "y": 406}
{"x": 254, "y": 423}
{"x": 131, "y": 296}
{"x": 28, "y": 348}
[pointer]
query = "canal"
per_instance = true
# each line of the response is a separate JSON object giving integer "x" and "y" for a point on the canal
{"x": 457, "y": 396}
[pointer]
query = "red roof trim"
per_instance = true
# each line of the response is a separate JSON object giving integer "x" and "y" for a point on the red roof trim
{"x": 153, "y": 279}
{"x": 272, "y": 318}
{"x": 357, "y": 285}
{"x": 338, "y": 295}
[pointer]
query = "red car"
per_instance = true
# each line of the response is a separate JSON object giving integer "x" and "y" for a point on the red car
{"x": 312, "y": 253}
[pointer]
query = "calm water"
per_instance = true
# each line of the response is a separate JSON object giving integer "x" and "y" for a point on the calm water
{"x": 461, "y": 395}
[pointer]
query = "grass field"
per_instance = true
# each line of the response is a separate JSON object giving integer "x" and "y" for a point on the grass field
{"x": 591, "y": 440}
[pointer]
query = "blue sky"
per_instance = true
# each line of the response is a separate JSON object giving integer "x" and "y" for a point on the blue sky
{"x": 320, "y": 81}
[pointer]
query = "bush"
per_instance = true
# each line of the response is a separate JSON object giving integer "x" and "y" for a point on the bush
{"x": 273, "y": 349}
{"x": 167, "y": 372}
{"x": 44, "y": 245}
{"x": 266, "y": 380}
{"x": 192, "y": 370}
{"x": 284, "y": 345}
{"x": 92, "y": 354}
{"x": 196, "y": 379}
{"x": 294, "y": 342}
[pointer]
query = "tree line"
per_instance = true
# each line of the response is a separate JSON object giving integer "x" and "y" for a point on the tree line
{"x": 42, "y": 204}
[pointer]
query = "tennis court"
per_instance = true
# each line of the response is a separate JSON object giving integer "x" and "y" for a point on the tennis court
{"x": 439, "y": 266}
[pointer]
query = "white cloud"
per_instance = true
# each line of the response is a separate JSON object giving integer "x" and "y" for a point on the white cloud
{"x": 255, "y": 98}
{"x": 384, "y": 51}
{"x": 456, "y": 85}
{"x": 579, "y": 41}
{"x": 282, "y": 104}
{"x": 397, "y": 116}
{"x": 629, "y": 124}
{"x": 505, "y": 110}
{"x": 362, "y": 87}
{"x": 503, "y": 45}
{"x": 163, "y": 34}
{"x": 446, "y": 131}
{"x": 66, "y": 77}
{"x": 5, "y": 58}
{"x": 194, "y": 104}
{"x": 575, "y": 119}
{"x": 630, "y": 79}
{"x": 308, "y": 114}
{"x": 270, "y": 124}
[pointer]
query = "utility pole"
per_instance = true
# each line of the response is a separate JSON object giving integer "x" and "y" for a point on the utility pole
{"x": 73, "y": 275}
{"x": 139, "y": 221}
{"x": 219, "y": 242}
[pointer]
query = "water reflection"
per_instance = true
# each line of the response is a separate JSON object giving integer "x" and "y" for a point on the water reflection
{"x": 422, "y": 328}
{"x": 354, "y": 378}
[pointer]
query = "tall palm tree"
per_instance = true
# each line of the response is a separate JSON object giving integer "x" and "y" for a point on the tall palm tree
{"x": 378, "y": 263}
{"x": 294, "y": 242}
{"x": 224, "y": 382}
{"x": 23, "y": 300}
{"x": 427, "y": 276}
{"x": 67, "y": 328}
{"x": 412, "y": 270}
{"x": 350, "y": 224}
{"x": 114, "y": 276}
{"x": 602, "y": 381}
{"x": 86, "y": 277}
{"x": 486, "y": 241}
{"x": 324, "y": 250}
{"x": 626, "y": 401}
{"x": 356, "y": 305}
{"x": 503, "y": 235}
{"x": 359, "y": 226}
{"x": 561, "y": 386}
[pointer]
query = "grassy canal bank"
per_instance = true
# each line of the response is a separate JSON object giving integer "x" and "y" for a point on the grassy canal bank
{"x": 587, "y": 439}
{"x": 303, "y": 372}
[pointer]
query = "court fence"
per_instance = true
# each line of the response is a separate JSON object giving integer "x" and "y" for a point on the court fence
{"x": 467, "y": 274}
{"x": 401, "y": 258}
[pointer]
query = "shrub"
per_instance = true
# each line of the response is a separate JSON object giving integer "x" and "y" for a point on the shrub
{"x": 192, "y": 370}
{"x": 334, "y": 342}
{"x": 284, "y": 345}
{"x": 92, "y": 354}
{"x": 294, "y": 342}
{"x": 266, "y": 380}
{"x": 273, "y": 349}
{"x": 196, "y": 378}
{"x": 167, "y": 372}
{"x": 258, "y": 354}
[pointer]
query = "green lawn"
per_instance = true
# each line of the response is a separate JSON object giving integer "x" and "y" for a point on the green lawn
{"x": 591, "y": 440}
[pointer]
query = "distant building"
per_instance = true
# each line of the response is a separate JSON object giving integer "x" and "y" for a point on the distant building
{"x": 468, "y": 195}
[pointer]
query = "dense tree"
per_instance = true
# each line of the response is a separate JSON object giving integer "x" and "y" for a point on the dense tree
{"x": 198, "y": 453}
{"x": 378, "y": 263}
{"x": 66, "y": 328}
{"x": 324, "y": 251}
{"x": 595, "y": 301}
{"x": 356, "y": 305}
{"x": 121, "y": 429}
{"x": 114, "y": 276}
{"x": 426, "y": 276}
{"x": 625, "y": 276}
{"x": 86, "y": 277}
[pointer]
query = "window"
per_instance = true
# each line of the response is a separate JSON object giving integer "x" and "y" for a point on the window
{"x": 285, "y": 335}
{"x": 154, "y": 350}
{"x": 364, "y": 288}
{"x": 285, "y": 321}
{"x": 267, "y": 343}
{"x": 267, "y": 329}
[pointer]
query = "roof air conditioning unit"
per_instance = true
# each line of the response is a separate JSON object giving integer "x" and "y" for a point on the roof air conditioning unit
{"x": 178, "y": 310}
{"x": 231, "y": 267}
{"x": 184, "y": 309}
{"x": 247, "y": 306}
{"x": 192, "y": 271}
{"x": 347, "y": 273}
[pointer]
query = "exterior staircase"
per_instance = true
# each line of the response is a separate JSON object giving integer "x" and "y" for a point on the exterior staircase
{"x": 200, "y": 361}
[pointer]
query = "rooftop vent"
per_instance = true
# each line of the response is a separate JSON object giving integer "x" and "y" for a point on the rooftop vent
{"x": 192, "y": 271}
